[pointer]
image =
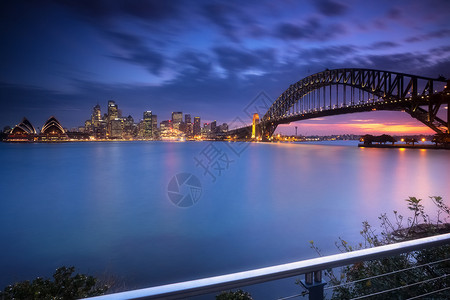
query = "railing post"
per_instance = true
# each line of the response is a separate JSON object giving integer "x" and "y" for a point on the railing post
{"x": 313, "y": 283}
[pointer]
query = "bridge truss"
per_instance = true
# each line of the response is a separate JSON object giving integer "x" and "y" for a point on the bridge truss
{"x": 343, "y": 91}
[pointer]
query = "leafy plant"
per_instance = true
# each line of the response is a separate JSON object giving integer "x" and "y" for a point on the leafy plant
{"x": 236, "y": 295}
{"x": 384, "y": 278}
{"x": 64, "y": 286}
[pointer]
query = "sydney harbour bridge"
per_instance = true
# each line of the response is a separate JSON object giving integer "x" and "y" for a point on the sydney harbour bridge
{"x": 344, "y": 91}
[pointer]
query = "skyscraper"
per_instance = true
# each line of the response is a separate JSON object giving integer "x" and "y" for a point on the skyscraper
{"x": 197, "y": 127}
{"x": 96, "y": 117}
{"x": 113, "y": 114}
{"x": 154, "y": 125}
{"x": 177, "y": 119}
{"x": 113, "y": 110}
{"x": 148, "y": 125}
{"x": 188, "y": 125}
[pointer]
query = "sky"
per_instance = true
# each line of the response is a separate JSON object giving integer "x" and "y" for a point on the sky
{"x": 208, "y": 58}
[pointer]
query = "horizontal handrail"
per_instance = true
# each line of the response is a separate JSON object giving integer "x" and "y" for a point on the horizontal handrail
{"x": 239, "y": 279}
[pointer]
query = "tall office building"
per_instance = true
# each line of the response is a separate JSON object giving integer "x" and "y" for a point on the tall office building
{"x": 188, "y": 128}
{"x": 113, "y": 110}
{"x": 148, "y": 125}
{"x": 96, "y": 116}
{"x": 177, "y": 120}
{"x": 113, "y": 114}
{"x": 154, "y": 125}
{"x": 117, "y": 126}
{"x": 196, "y": 128}
{"x": 128, "y": 127}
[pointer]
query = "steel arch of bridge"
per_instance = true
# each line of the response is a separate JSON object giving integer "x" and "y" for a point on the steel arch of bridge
{"x": 416, "y": 95}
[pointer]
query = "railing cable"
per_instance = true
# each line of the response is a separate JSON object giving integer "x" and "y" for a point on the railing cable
{"x": 385, "y": 274}
{"x": 400, "y": 287}
{"x": 430, "y": 293}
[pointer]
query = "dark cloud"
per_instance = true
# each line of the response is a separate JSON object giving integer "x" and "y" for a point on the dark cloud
{"x": 290, "y": 31}
{"x": 382, "y": 45}
{"x": 327, "y": 54}
{"x": 331, "y": 8}
{"x": 438, "y": 34}
{"x": 136, "y": 52}
{"x": 394, "y": 13}
{"x": 104, "y": 10}
{"x": 233, "y": 59}
{"x": 441, "y": 51}
{"x": 312, "y": 29}
{"x": 232, "y": 20}
{"x": 194, "y": 65}
{"x": 403, "y": 62}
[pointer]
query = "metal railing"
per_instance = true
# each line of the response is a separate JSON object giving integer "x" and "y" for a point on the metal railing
{"x": 312, "y": 268}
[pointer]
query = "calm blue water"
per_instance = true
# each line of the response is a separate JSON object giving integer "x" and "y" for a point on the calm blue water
{"x": 104, "y": 207}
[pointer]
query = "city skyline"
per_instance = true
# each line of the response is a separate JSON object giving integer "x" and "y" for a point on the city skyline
{"x": 212, "y": 58}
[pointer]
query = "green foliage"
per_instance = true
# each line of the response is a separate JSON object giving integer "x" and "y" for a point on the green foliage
{"x": 370, "y": 277}
{"x": 64, "y": 286}
{"x": 237, "y": 295}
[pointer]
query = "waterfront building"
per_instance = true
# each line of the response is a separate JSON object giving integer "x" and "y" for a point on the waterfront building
{"x": 22, "y": 132}
{"x": 188, "y": 128}
{"x": 52, "y": 131}
{"x": 155, "y": 126}
{"x": 148, "y": 125}
{"x": 129, "y": 128}
{"x": 177, "y": 120}
{"x": 96, "y": 117}
{"x": 100, "y": 131}
{"x": 206, "y": 130}
{"x": 196, "y": 128}
{"x": 113, "y": 114}
{"x": 140, "y": 129}
{"x": 222, "y": 128}
{"x": 88, "y": 126}
{"x": 165, "y": 125}
{"x": 117, "y": 126}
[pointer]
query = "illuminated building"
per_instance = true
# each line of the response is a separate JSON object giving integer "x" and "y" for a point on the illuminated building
{"x": 52, "y": 131}
{"x": 88, "y": 126}
{"x": 129, "y": 129}
{"x": 116, "y": 126}
{"x": 188, "y": 125}
{"x": 222, "y": 128}
{"x": 96, "y": 117}
{"x": 165, "y": 125}
{"x": 155, "y": 126}
{"x": 148, "y": 125}
{"x": 196, "y": 127}
{"x": 177, "y": 120}
{"x": 113, "y": 114}
{"x": 22, "y": 132}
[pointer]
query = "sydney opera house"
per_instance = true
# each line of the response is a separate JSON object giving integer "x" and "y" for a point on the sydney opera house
{"x": 51, "y": 131}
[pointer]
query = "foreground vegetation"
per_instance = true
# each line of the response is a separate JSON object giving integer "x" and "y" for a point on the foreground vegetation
{"x": 420, "y": 267}
{"x": 64, "y": 285}
{"x": 363, "y": 279}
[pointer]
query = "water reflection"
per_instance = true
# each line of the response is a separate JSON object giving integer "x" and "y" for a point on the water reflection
{"x": 104, "y": 206}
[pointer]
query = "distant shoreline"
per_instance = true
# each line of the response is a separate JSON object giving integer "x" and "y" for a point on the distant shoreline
{"x": 406, "y": 146}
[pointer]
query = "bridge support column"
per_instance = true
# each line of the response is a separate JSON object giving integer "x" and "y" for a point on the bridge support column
{"x": 267, "y": 130}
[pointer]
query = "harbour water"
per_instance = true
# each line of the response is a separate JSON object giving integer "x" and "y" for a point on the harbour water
{"x": 108, "y": 208}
